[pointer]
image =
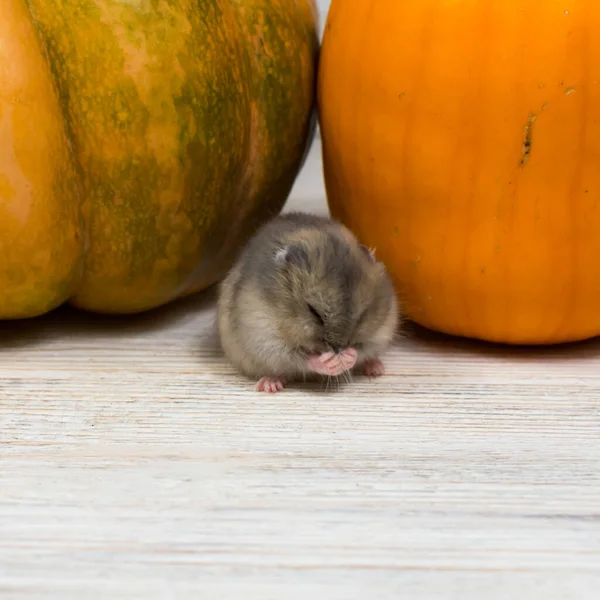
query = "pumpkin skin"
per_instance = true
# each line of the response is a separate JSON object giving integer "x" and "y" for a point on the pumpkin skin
{"x": 141, "y": 143}
{"x": 463, "y": 142}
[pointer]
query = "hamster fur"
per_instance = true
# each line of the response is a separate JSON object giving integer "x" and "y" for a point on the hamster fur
{"x": 305, "y": 297}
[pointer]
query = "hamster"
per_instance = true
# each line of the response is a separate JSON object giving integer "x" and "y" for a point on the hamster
{"x": 304, "y": 297}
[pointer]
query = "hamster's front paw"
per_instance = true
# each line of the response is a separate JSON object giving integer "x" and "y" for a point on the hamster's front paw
{"x": 271, "y": 385}
{"x": 330, "y": 363}
{"x": 373, "y": 368}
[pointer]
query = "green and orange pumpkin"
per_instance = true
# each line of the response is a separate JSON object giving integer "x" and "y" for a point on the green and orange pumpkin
{"x": 142, "y": 141}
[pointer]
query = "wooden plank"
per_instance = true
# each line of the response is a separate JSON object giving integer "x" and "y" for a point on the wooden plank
{"x": 134, "y": 463}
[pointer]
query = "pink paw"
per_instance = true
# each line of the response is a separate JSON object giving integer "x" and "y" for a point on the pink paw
{"x": 373, "y": 368}
{"x": 271, "y": 385}
{"x": 333, "y": 364}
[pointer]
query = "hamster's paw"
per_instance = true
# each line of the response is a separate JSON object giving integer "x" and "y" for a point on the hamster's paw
{"x": 331, "y": 363}
{"x": 271, "y": 385}
{"x": 373, "y": 368}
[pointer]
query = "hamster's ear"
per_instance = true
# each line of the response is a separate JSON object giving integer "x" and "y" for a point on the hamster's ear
{"x": 291, "y": 255}
{"x": 370, "y": 253}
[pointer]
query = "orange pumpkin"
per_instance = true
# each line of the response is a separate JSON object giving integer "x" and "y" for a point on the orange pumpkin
{"x": 141, "y": 143}
{"x": 462, "y": 140}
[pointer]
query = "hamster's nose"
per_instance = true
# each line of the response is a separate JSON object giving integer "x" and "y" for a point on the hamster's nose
{"x": 338, "y": 343}
{"x": 339, "y": 349}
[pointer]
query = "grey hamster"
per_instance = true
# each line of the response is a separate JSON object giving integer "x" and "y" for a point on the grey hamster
{"x": 305, "y": 297}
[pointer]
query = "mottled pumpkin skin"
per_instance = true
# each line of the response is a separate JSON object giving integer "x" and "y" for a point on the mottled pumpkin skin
{"x": 142, "y": 142}
{"x": 461, "y": 138}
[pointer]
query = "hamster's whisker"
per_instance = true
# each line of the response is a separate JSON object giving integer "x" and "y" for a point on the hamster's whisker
{"x": 345, "y": 376}
{"x": 400, "y": 333}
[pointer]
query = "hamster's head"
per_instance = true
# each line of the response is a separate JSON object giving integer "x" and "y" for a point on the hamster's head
{"x": 329, "y": 293}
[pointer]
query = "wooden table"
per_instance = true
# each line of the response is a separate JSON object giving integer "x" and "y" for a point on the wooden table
{"x": 134, "y": 463}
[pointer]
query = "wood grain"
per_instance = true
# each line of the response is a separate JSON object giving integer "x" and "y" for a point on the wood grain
{"x": 134, "y": 463}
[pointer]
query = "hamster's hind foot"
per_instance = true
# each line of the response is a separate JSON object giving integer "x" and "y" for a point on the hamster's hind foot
{"x": 373, "y": 368}
{"x": 271, "y": 385}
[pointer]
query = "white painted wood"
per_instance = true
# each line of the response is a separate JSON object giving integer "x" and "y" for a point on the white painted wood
{"x": 134, "y": 463}
{"x": 323, "y": 6}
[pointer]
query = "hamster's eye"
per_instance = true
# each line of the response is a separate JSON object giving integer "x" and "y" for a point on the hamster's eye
{"x": 316, "y": 314}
